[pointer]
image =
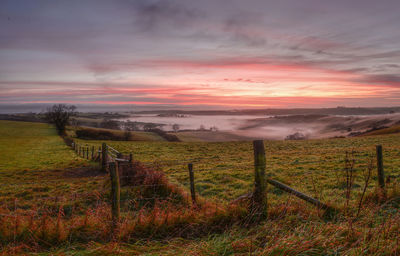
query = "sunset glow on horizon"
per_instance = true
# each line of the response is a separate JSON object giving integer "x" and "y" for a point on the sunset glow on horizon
{"x": 206, "y": 53}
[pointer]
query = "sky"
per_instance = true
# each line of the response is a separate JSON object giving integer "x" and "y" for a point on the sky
{"x": 200, "y": 54}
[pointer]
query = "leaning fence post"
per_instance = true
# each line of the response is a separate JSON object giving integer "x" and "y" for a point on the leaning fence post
{"x": 381, "y": 173}
{"x": 191, "y": 177}
{"x": 260, "y": 184}
{"x": 115, "y": 194}
{"x": 104, "y": 157}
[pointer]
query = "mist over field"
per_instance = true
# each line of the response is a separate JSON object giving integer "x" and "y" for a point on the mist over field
{"x": 273, "y": 127}
{"x": 193, "y": 122}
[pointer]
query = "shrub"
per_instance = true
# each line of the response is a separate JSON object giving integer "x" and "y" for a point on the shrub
{"x": 296, "y": 136}
{"x": 97, "y": 134}
{"x": 163, "y": 134}
{"x": 150, "y": 183}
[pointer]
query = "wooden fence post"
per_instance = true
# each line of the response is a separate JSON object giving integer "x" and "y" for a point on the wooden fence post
{"x": 381, "y": 173}
{"x": 115, "y": 194}
{"x": 130, "y": 158}
{"x": 104, "y": 157}
{"x": 98, "y": 156}
{"x": 92, "y": 152}
{"x": 191, "y": 177}
{"x": 80, "y": 149}
{"x": 260, "y": 183}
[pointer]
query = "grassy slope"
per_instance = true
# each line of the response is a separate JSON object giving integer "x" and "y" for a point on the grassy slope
{"x": 35, "y": 162}
{"x": 135, "y": 135}
{"x": 391, "y": 130}
{"x": 223, "y": 170}
{"x": 203, "y": 136}
{"x": 33, "y": 146}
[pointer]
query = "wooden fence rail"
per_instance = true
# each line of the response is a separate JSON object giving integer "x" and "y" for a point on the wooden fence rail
{"x": 258, "y": 196}
{"x": 298, "y": 194}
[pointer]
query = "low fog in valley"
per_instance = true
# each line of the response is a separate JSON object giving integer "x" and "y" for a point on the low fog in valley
{"x": 273, "y": 127}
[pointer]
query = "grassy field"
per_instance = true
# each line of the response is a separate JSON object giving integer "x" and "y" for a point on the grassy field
{"x": 37, "y": 168}
{"x": 33, "y": 146}
{"x": 208, "y": 136}
{"x": 225, "y": 169}
{"x": 391, "y": 130}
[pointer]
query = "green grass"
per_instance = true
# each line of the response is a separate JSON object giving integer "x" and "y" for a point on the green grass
{"x": 33, "y": 146}
{"x": 33, "y": 153}
{"x": 224, "y": 170}
{"x": 208, "y": 136}
{"x": 36, "y": 163}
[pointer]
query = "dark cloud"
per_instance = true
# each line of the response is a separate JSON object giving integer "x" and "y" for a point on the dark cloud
{"x": 394, "y": 66}
{"x": 150, "y": 16}
{"x": 392, "y": 80}
{"x": 240, "y": 26}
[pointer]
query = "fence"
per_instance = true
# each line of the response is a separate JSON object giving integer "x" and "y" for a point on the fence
{"x": 151, "y": 187}
{"x": 111, "y": 160}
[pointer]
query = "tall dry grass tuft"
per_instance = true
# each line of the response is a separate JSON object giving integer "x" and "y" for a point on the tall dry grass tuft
{"x": 161, "y": 210}
{"x": 147, "y": 185}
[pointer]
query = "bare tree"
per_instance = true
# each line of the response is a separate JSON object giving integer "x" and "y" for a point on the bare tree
{"x": 150, "y": 126}
{"x": 175, "y": 127}
{"x": 128, "y": 127}
{"x": 214, "y": 128}
{"x": 59, "y": 115}
{"x": 131, "y": 126}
